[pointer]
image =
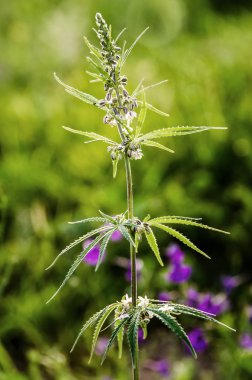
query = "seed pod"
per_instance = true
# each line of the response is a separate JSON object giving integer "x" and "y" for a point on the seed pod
{"x": 108, "y": 96}
{"x": 125, "y": 93}
{"x": 129, "y": 153}
{"x": 113, "y": 156}
{"x": 102, "y": 103}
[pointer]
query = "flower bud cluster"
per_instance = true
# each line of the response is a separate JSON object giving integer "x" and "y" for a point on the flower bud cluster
{"x": 119, "y": 104}
{"x": 140, "y": 227}
{"x": 132, "y": 150}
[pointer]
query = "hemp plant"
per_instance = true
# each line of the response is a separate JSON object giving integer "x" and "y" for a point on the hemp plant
{"x": 127, "y": 112}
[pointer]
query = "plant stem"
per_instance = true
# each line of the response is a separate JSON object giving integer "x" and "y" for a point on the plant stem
{"x": 132, "y": 255}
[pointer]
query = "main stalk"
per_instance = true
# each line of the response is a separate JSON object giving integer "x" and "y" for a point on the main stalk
{"x": 130, "y": 205}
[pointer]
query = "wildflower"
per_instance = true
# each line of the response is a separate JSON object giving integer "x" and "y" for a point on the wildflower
{"x": 116, "y": 236}
{"x": 164, "y": 296}
{"x": 174, "y": 253}
{"x": 213, "y": 304}
{"x": 179, "y": 273}
{"x": 246, "y": 341}
{"x": 192, "y": 297}
{"x": 230, "y": 282}
{"x": 92, "y": 257}
{"x": 198, "y": 340}
{"x": 160, "y": 366}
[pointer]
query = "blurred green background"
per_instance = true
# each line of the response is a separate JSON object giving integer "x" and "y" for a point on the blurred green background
{"x": 49, "y": 177}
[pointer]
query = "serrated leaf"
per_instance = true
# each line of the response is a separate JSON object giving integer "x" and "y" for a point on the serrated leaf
{"x": 113, "y": 336}
{"x": 156, "y": 110}
{"x": 93, "y": 49}
{"x": 141, "y": 117}
{"x": 91, "y": 135}
{"x": 77, "y": 262}
{"x": 79, "y": 240}
{"x": 98, "y": 77}
{"x": 98, "y": 327}
{"x": 168, "y": 220}
{"x": 128, "y": 51}
{"x": 98, "y": 67}
{"x": 155, "y": 144}
{"x": 89, "y": 220}
{"x": 153, "y": 245}
{"x": 119, "y": 35}
{"x": 87, "y": 98}
{"x": 126, "y": 234}
{"x": 108, "y": 217}
{"x": 133, "y": 335}
{"x": 138, "y": 91}
{"x": 175, "y": 131}
{"x": 103, "y": 247}
{"x": 178, "y": 235}
{"x": 173, "y": 324}
{"x": 137, "y": 88}
{"x": 89, "y": 323}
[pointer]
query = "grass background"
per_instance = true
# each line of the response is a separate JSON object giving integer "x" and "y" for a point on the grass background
{"x": 49, "y": 177}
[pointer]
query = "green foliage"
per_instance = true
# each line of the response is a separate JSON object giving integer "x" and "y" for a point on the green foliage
{"x": 153, "y": 245}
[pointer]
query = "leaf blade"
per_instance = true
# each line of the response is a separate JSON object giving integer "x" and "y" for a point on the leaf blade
{"x": 151, "y": 239}
{"x": 91, "y": 135}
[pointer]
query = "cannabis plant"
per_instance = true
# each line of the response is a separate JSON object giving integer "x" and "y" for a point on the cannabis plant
{"x": 127, "y": 112}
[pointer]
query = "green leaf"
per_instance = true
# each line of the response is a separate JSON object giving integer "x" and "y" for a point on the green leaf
{"x": 178, "y": 235}
{"x": 173, "y": 324}
{"x": 119, "y": 35}
{"x": 92, "y": 135}
{"x": 198, "y": 313}
{"x": 87, "y": 98}
{"x": 120, "y": 336}
{"x": 115, "y": 164}
{"x": 175, "y": 131}
{"x": 137, "y": 88}
{"x": 113, "y": 336}
{"x": 80, "y": 240}
{"x": 77, "y": 262}
{"x": 89, "y": 323}
{"x": 141, "y": 117}
{"x": 169, "y": 220}
{"x": 103, "y": 247}
{"x": 155, "y": 144}
{"x": 97, "y": 77}
{"x": 128, "y": 51}
{"x": 98, "y": 327}
{"x": 126, "y": 234}
{"x": 133, "y": 335}
{"x": 87, "y": 220}
{"x": 153, "y": 245}
{"x": 108, "y": 217}
{"x": 93, "y": 49}
{"x": 154, "y": 109}
{"x": 138, "y": 91}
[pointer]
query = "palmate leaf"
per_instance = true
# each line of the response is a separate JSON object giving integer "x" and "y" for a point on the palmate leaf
{"x": 173, "y": 324}
{"x": 103, "y": 247}
{"x": 173, "y": 220}
{"x": 128, "y": 51}
{"x": 155, "y": 144}
{"x": 80, "y": 240}
{"x": 199, "y": 314}
{"x": 178, "y": 235}
{"x": 113, "y": 336}
{"x": 87, "y": 220}
{"x": 153, "y": 245}
{"x": 77, "y": 262}
{"x": 175, "y": 131}
{"x": 126, "y": 234}
{"x": 89, "y": 323}
{"x": 92, "y": 135}
{"x": 87, "y": 98}
{"x": 98, "y": 327}
{"x": 107, "y": 217}
{"x": 133, "y": 335}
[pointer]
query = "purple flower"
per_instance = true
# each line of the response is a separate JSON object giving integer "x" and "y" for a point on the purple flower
{"x": 92, "y": 257}
{"x": 246, "y": 341}
{"x": 179, "y": 273}
{"x": 213, "y": 304}
{"x": 175, "y": 254}
{"x": 230, "y": 282}
{"x": 161, "y": 367}
{"x": 140, "y": 336}
{"x": 198, "y": 340}
{"x": 164, "y": 296}
{"x": 101, "y": 345}
{"x": 116, "y": 236}
{"x": 192, "y": 297}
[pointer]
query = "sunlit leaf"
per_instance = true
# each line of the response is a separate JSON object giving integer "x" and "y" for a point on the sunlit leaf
{"x": 153, "y": 245}
{"x": 155, "y": 144}
{"x": 113, "y": 336}
{"x": 128, "y": 51}
{"x": 92, "y": 135}
{"x": 133, "y": 335}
